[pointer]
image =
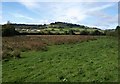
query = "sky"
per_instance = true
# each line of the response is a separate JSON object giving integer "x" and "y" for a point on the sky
{"x": 103, "y": 15}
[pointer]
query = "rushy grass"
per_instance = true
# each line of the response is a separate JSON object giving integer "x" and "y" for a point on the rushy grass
{"x": 88, "y": 61}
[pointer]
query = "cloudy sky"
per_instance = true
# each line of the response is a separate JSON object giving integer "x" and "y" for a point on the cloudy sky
{"x": 95, "y": 14}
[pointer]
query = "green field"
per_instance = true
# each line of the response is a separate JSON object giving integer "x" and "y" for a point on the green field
{"x": 61, "y": 30}
{"x": 95, "y": 60}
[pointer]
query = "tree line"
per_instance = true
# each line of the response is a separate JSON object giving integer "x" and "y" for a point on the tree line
{"x": 9, "y": 30}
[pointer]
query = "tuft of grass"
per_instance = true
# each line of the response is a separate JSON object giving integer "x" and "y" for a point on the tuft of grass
{"x": 16, "y": 54}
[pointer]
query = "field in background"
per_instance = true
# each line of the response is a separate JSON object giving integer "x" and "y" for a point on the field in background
{"x": 63, "y": 31}
{"x": 73, "y": 58}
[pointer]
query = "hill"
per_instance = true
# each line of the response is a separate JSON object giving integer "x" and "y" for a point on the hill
{"x": 51, "y": 25}
{"x": 56, "y": 28}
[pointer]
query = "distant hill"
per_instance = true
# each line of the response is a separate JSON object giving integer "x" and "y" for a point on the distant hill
{"x": 69, "y": 25}
{"x": 52, "y": 25}
{"x": 64, "y": 25}
{"x": 56, "y": 28}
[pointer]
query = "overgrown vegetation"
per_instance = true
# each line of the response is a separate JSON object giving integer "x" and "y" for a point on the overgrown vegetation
{"x": 25, "y": 43}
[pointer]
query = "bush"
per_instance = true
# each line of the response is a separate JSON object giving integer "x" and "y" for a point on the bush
{"x": 8, "y": 30}
{"x": 113, "y": 32}
{"x": 117, "y": 31}
{"x": 65, "y": 33}
{"x": 71, "y": 32}
{"x": 110, "y": 33}
{"x": 16, "y": 54}
{"x": 49, "y": 33}
{"x": 96, "y": 32}
{"x": 84, "y": 32}
{"x": 6, "y": 54}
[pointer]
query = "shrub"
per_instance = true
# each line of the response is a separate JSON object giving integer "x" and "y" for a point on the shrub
{"x": 97, "y": 32}
{"x": 117, "y": 31}
{"x": 49, "y": 33}
{"x": 110, "y": 33}
{"x": 71, "y": 32}
{"x": 84, "y": 32}
{"x": 65, "y": 33}
{"x": 16, "y": 54}
{"x": 6, "y": 54}
{"x": 8, "y": 30}
{"x": 53, "y": 29}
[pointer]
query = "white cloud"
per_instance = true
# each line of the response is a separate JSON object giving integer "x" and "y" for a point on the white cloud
{"x": 104, "y": 20}
{"x": 98, "y": 8}
{"x": 29, "y": 20}
{"x": 33, "y": 22}
{"x": 69, "y": 12}
{"x": 29, "y": 3}
{"x": 74, "y": 12}
{"x": 44, "y": 21}
{"x": 16, "y": 15}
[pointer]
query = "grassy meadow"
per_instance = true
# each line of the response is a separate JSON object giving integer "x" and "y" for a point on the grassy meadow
{"x": 64, "y": 58}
